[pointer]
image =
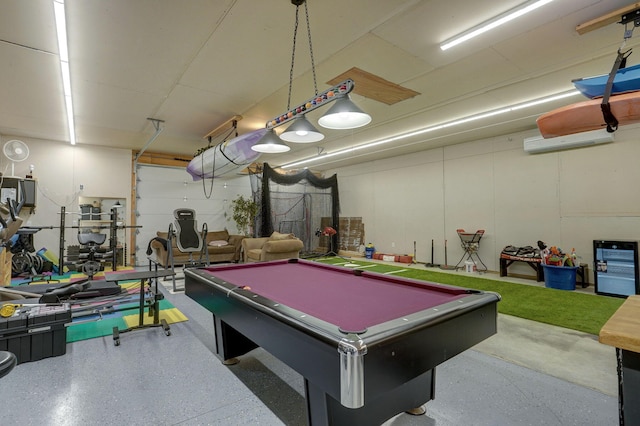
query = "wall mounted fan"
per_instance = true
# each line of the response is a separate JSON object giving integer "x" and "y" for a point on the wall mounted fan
{"x": 15, "y": 151}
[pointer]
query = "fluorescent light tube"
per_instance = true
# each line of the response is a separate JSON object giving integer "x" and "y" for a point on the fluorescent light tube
{"x": 61, "y": 31}
{"x": 453, "y": 123}
{"x": 494, "y": 23}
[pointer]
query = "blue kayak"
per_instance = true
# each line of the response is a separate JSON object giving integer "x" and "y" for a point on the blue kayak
{"x": 626, "y": 80}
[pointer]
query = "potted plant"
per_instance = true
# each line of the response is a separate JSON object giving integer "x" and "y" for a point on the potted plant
{"x": 244, "y": 212}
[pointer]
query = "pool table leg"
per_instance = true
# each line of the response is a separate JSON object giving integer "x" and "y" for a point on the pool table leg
{"x": 229, "y": 342}
{"x": 323, "y": 410}
{"x": 628, "y": 386}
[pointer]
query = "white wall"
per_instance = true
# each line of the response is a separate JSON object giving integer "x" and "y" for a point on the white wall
{"x": 60, "y": 169}
{"x": 566, "y": 198}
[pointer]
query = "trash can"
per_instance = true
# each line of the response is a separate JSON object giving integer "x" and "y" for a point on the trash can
{"x": 560, "y": 277}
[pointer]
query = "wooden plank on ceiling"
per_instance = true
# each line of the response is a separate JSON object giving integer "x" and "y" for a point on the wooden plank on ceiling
{"x": 229, "y": 124}
{"x": 374, "y": 87}
{"x": 162, "y": 159}
{"x": 607, "y": 19}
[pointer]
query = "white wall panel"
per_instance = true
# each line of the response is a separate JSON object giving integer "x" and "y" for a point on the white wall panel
{"x": 526, "y": 192}
{"x": 602, "y": 180}
{"x": 565, "y": 198}
{"x": 469, "y": 204}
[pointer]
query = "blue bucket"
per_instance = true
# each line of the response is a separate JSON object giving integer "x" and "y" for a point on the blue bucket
{"x": 560, "y": 277}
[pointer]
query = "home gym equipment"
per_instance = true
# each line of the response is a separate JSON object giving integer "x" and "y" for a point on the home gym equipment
{"x": 188, "y": 239}
{"x": 153, "y": 303}
{"x": 91, "y": 255}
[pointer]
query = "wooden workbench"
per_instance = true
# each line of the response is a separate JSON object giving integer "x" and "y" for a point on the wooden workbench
{"x": 623, "y": 332}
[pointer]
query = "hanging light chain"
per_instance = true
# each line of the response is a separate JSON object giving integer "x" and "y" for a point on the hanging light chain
{"x": 293, "y": 57}
{"x": 313, "y": 65}
{"x": 319, "y": 99}
{"x": 293, "y": 50}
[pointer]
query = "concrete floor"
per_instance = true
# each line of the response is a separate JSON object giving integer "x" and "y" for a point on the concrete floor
{"x": 566, "y": 354}
{"x": 527, "y": 374}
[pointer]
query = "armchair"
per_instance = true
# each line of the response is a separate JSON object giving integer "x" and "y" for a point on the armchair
{"x": 277, "y": 246}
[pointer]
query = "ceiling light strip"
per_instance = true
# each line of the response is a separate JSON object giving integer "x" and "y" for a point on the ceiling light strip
{"x": 433, "y": 128}
{"x": 494, "y": 23}
{"x": 61, "y": 30}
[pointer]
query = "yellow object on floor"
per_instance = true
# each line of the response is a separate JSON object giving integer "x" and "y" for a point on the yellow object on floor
{"x": 172, "y": 315}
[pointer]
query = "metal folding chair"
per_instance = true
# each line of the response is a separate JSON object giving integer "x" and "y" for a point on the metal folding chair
{"x": 471, "y": 244}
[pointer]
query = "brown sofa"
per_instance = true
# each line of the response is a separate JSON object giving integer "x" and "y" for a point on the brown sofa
{"x": 277, "y": 246}
{"x": 218, "y": 250}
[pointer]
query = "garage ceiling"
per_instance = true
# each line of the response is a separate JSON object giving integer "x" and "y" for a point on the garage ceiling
{"x": 196, "y": 63}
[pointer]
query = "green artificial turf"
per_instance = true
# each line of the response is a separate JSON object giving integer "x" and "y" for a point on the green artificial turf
{"x": 568, "y": 309}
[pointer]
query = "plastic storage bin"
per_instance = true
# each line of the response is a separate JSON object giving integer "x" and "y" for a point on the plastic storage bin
{"x": 37, "y": 333}
{"x": 560, "y": 277}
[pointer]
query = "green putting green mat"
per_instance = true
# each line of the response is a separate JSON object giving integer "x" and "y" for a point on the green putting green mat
{"x": 568, "y": 309}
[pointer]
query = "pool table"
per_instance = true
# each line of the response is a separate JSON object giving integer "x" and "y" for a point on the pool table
{"x": 367, "y": 344}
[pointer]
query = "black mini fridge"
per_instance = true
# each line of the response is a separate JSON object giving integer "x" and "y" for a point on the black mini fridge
{"x": 616, "y": 267}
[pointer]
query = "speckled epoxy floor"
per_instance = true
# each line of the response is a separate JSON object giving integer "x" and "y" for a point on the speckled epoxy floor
{"x": 152, "y": 379}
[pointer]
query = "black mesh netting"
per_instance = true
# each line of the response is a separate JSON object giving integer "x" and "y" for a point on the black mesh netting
{"x": 300, "y": 203}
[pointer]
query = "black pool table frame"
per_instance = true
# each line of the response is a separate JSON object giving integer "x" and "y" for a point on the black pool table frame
{"x": 349, "y": 379}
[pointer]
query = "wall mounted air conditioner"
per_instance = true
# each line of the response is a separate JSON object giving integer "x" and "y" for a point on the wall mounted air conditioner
{"x": 537, "y": 144}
